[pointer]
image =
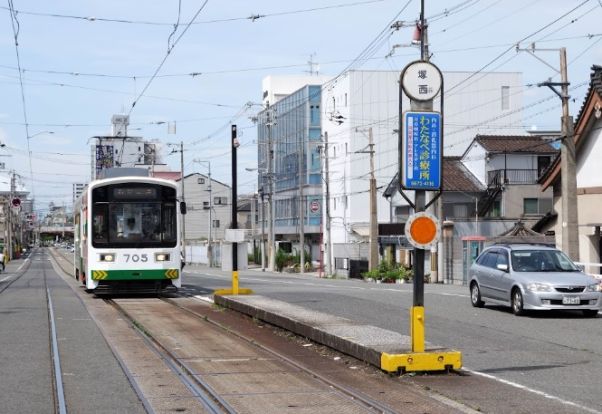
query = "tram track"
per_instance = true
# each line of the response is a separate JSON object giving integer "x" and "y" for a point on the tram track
{"x": 59, "y": 392}
{"x": 357, "y": 396}
{"x": 200, "y": 389}
{"x": 212, "y": 399}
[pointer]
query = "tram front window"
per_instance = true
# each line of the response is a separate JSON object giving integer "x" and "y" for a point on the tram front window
{"x": 134, "y": 224}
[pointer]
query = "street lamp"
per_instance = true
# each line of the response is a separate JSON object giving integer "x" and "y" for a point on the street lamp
{"x": 210, "y": 224}
{"x": 40, "y": 133}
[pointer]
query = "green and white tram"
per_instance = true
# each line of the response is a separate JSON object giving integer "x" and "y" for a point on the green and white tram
{"x": 127, "y": 235}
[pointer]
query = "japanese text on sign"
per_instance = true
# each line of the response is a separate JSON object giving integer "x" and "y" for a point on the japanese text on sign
{"x": 421, "y": 163}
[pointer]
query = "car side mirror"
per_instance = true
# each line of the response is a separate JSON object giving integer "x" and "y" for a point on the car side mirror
{"x": 502, "y": 267}
{"x": 183, "y": 207}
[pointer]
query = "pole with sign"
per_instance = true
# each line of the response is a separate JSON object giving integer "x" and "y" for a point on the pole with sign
{"x": 420, "y": 164}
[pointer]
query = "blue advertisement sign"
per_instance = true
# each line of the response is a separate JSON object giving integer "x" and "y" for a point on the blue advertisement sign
{"x": 421, "y": 151}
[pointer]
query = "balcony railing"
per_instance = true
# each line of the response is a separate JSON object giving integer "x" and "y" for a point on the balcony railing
{"x": 497, "y": 178}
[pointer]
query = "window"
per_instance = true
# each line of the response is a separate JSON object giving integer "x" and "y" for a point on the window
{"x": 490, "y": 259}
{"x": 205, "y": 205}
{"x": 314, "y": 114}
{"x": 502, "y": 258}
{"x": 216, "y": 224}
{"x": 543, "y": 162}
{"x": 530, "y": 206}
{"x": 537, "y": 205}
{"x": 200, "y": 181}
{"x": 345, "y": 99}
{"x": 220, "y": 201}
{"x": 505, "y": 98}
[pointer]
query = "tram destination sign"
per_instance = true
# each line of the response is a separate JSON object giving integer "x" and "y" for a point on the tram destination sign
{"x": 421, "y": 151}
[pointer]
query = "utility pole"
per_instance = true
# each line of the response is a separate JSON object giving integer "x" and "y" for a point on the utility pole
{"x": 301, "y": 175}
{"x": 570, "y": 220}
{"x": 183, "y": 199}
{"x": 10, "y": 216}
{"x": 373, "y": 262}
{"x": 271, "y": 251}
{"x": 568, "y": 176}
{"x": 328, "y": 243}
{"x": 261, "y": 194}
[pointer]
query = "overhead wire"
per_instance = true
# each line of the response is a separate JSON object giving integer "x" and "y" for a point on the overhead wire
{"x": 495, "y": 59}
{"x": 252, "y": 17}
{"x": 169, "y": 50}
{"x": 16, "y": 29}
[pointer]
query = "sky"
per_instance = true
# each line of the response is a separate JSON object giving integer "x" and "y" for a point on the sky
{"x": 82, "y": 62}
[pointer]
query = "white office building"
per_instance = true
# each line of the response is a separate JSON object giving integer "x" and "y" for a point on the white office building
{"x": 360, "y": 101}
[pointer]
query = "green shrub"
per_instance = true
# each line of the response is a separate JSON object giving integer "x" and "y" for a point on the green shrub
{"x": 283, "y": 259}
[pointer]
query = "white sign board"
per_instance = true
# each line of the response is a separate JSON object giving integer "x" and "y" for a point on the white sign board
{"x": 235, "y": 235}
{"x": 421, "y": 81}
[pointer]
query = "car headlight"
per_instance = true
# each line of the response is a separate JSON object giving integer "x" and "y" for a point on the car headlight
{"x": 161, "y": 257}
{"x": 596, "y": 287}
{"x": 539, "y": 287}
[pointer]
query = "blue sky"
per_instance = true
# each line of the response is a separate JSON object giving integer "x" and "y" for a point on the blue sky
{"x": 230, "y": 54}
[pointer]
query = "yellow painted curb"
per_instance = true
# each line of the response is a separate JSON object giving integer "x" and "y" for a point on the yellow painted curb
{"x": 226, "y": 292}
{"x": 421, "y": 361}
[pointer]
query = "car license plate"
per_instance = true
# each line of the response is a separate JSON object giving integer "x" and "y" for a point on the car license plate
{"x": 570, "y": 300}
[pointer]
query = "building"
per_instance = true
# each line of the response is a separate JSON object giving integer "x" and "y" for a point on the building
{"x": 364, "y": 104}
{"x": 290, "y": 130}
{"x": 78, "y": 189}
{"x": 206, "y": 201}
{"x": 588, "y": 143}
{"x": 121, "y": 150}
{"x": 509, "y": 167}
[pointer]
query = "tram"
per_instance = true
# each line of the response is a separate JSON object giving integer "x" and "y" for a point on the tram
{"x": 127, "y": 235}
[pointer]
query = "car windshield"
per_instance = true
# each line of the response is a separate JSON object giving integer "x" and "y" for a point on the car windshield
{"x": 541, "y": 261}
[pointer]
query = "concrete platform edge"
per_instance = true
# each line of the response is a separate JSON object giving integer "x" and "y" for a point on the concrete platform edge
{"x": 371, "y": 354}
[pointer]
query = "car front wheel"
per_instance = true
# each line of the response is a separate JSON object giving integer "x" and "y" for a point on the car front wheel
{"x": 517, "y": 302}
{"x": 475, "y": 296}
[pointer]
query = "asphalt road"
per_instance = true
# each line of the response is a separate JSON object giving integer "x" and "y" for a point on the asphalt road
{"x": 558, "y": 354}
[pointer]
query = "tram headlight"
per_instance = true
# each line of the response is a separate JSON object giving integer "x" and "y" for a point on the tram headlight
{"x": 161, "y": 257}
{"x": 107, "y": 257}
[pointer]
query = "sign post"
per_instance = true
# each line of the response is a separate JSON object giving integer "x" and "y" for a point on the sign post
{"x": 420, "y": 164}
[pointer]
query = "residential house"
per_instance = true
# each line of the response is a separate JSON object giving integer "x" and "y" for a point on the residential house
{"x": 209, "y": 208}
{"x": 588, "y": 143}
{"x": 509, "y": 167}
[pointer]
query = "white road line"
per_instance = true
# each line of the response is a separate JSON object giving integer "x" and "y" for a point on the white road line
{"x": 204, "y": 298}
{"x": 5, "y": 279}
{"x": 22, "y": 264}
{"x": 534, "y": 391}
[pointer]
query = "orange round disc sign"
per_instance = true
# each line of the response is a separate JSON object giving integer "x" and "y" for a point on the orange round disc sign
{"x": 422, "y": 230}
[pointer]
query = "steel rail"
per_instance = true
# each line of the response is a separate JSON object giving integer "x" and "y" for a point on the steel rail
{"x": 355, "y": 396}
{"x": 147, "y": 406}
{"x": 204, "y": 393}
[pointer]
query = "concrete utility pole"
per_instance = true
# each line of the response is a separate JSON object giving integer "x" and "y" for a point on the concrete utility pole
{"x": 271, "y": 250}
{"x": 301, "y": 175}
{"x": 373, "y": 262}
{"x": 328, "y": 243}
{"x": 570, "y": 220}
{"x": 568, "y": 176}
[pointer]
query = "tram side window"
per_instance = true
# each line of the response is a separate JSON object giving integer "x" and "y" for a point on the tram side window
{"x": 169, "y": 222}
{"x": 100, "y": 223}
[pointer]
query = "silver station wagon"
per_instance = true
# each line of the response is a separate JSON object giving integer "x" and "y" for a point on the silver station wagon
{"x": 532, "y": 277}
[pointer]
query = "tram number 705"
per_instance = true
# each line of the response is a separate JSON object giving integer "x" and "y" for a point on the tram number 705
{"x": 136, "y": 258}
